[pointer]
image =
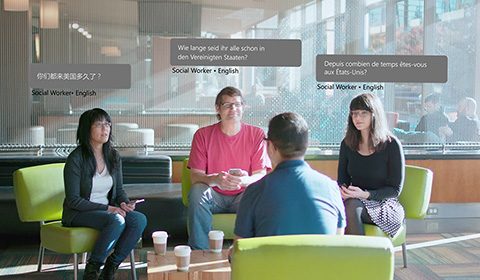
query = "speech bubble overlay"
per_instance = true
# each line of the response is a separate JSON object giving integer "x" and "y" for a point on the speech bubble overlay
{"x": 235, "y": 52}
{"x": 84, "y": 76}
{"x": 382, "y": 68}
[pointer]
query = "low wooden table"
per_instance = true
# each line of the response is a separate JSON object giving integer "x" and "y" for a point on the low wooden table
{"x": 204, "y": 265}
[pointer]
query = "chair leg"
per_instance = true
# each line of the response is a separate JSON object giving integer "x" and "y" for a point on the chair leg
{"x": 404, "y": 254}
{"x": 132, "y": 265}
{"x": 75, "y": 266}
{"x": 84, "y": 258}
{"x": 41, "y": 252}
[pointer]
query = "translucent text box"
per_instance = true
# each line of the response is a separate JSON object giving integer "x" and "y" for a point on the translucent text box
{"x": 382, "y": 68}
{"x": 80, "y": 76}
{"x": 235, "y": 52}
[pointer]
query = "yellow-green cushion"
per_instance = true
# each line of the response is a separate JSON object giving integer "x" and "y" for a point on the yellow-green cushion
{"x": 397, "y": 240}
{"x": 186, "y": 182}
{"x": 224, "y": 221}
{"x": 415, "y": 197}
{"x": 313, "y": 257}
{"x": 416, "y": 191}
{"x": 67, "y": 240}
{"x": 39, "y": 192}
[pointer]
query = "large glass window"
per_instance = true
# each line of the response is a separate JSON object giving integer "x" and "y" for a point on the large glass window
{"x": 166, "y": 107}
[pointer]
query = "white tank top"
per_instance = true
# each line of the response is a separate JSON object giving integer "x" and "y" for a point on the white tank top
{"x": 101, "y": 185}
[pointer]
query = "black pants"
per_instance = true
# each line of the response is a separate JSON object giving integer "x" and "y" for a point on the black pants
{"x": 357, "y": 215}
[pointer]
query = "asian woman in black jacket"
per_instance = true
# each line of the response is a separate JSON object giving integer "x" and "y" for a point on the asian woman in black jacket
{"x": 94, "y": 196}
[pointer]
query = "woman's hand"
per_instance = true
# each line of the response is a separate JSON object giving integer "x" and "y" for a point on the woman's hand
{"x": 127, "y": 207}
{"x": 116, "y": 210}
{"x": 343, "y": 192}
{"x": 353, "y": 192}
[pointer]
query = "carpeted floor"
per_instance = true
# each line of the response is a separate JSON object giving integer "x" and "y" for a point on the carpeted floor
{"x": 441, "y": 256}
{"x": 430, "y": 257}
{"x": 20, "y": 262}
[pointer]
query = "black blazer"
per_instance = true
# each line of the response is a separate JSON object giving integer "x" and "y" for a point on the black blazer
{"x": 78, "y": 187}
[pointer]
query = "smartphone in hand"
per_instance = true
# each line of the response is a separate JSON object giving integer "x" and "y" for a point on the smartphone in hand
{"x": 235, "y": 171}
{"x": 136, "y": 201}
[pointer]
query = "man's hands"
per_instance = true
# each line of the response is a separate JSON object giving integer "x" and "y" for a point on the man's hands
{"x": 229, "y": 182}
{"x": 224, "y": 180}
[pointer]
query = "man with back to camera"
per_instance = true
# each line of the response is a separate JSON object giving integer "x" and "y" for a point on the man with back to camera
{"x": 228, "y": 145}
{"x": 293, "y": 198}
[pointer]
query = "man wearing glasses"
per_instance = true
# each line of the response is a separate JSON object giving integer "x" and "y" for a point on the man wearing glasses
{"x": 224, "y": 159}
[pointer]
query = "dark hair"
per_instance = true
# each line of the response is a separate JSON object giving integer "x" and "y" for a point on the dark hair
{"x": 288, "y": 132}
{"x": 87, "y": 119}
{"x": 379, "y": 132}
{"x": 230, "y": 91}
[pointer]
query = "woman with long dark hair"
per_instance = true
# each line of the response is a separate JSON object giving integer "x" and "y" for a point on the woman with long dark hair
{"x": 94, "y": 196}
{"x": 370, "y": 169}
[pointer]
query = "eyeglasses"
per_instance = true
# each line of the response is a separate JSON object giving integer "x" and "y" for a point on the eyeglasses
{"x": 228, "y": 105}
{"x": 102, "y": 125}
{"x": 359, "y": 113}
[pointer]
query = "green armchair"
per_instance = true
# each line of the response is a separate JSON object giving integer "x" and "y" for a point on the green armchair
{"x": 313, "y": 257}
{"x": 222, "y": 221}
{"x": 414, "y": 198}
{"x": 39, "y": 194}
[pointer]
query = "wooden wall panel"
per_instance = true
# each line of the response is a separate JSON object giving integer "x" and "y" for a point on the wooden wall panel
{"x": 327, "y": 167}
{"x": 454, "y": 181}
{"x": 177, "y": 171}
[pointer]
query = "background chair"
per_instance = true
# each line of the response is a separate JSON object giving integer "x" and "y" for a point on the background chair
{"x": 415, "y": 197}
{"x": 179, "y": 132}
{"x": 39, "y": 194}
{"x": 392, "y": 119}
{"x": 223, "y": 221}
{"x": 313, "y": 257}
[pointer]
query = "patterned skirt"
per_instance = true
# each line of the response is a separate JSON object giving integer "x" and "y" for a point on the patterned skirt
{"x": 387, "y": 214}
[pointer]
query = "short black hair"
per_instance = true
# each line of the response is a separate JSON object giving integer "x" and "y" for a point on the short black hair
{"x": 289, "y": 133}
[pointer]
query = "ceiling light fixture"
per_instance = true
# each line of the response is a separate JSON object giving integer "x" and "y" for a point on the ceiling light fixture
{"x": 110, "y": 51}
{"x": 15, "y": 5}
{"x": 49, "y": 14}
